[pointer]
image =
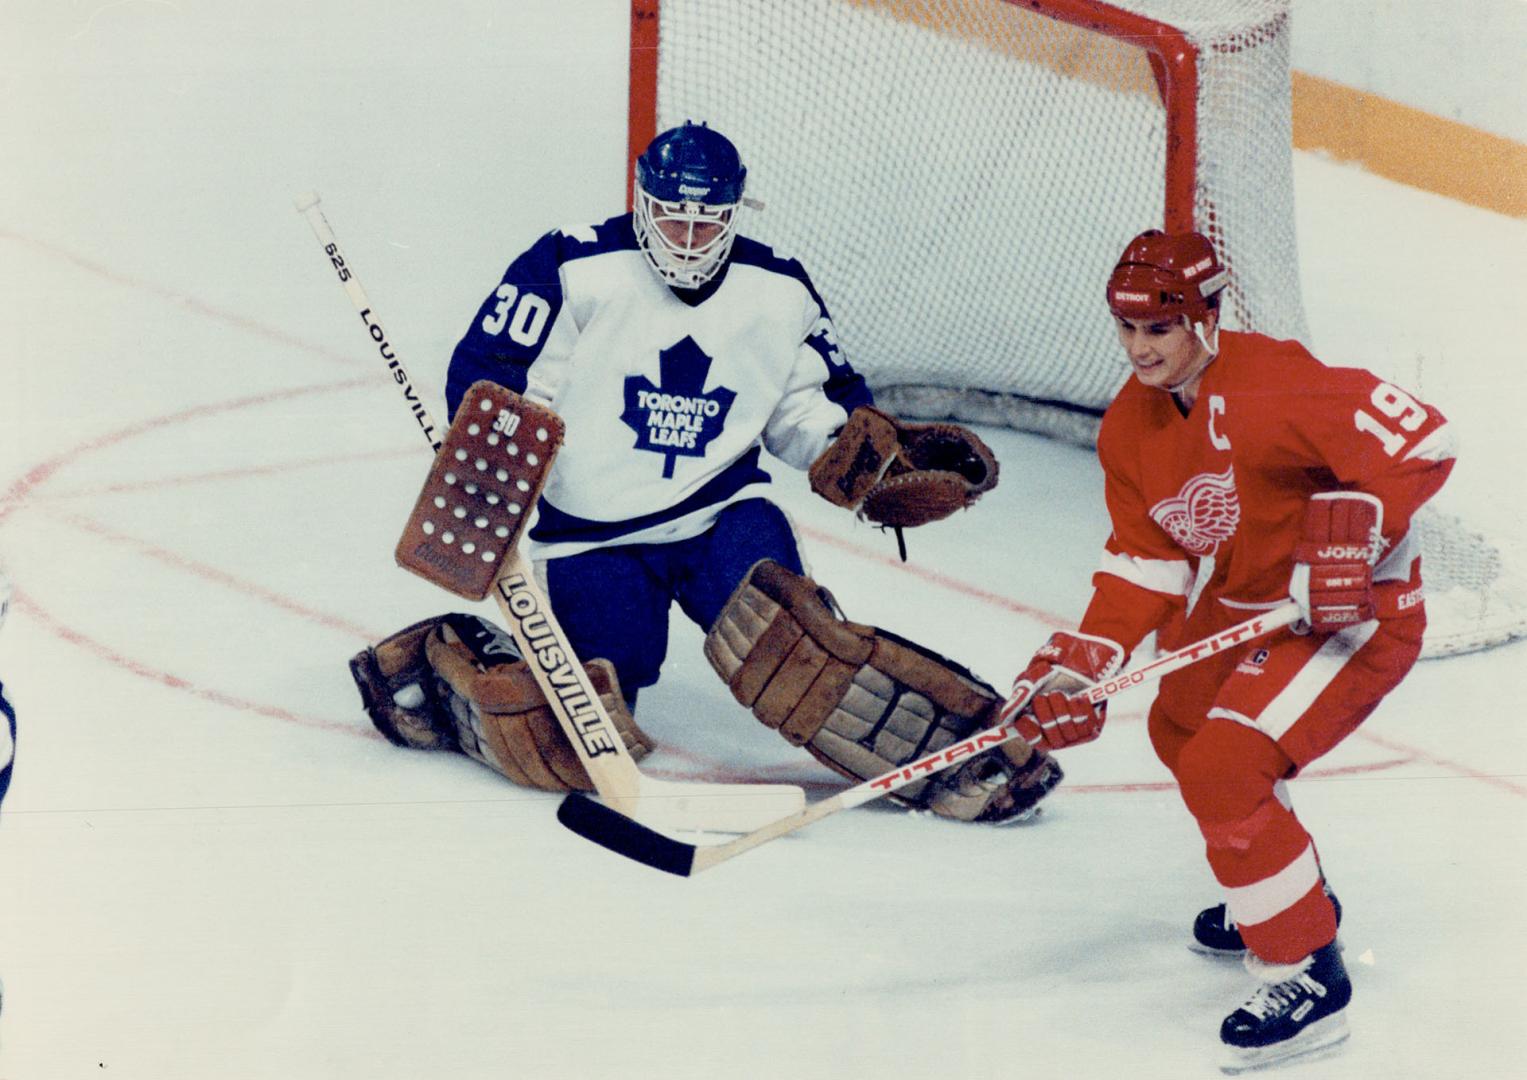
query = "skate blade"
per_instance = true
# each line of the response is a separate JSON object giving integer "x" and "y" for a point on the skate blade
{"x": 1208, "y": 950}
{"x": 1319, "y": 1039}
{"x": 1233, "y": 954}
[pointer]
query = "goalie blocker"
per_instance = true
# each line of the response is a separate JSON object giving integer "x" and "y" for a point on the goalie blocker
{"x": 863, "y": 701}
{"x": 457, "y": 682}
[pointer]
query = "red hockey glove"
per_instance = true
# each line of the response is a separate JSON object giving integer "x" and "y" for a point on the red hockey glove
{"x": 1049, "y": 711}
{"x": 1333, "y": 565}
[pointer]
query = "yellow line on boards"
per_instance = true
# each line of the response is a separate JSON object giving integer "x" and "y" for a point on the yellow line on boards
{"x": 1411, "y": 146}
{"x": 1396, "y": 141}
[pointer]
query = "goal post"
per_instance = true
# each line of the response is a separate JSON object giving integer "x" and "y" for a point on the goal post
{"x": 959, "y": 177}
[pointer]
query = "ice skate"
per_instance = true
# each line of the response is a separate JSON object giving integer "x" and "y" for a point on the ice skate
{"x": 1298, "y": 1010}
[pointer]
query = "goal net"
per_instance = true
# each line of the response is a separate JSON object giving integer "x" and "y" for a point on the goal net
{"x": 959, "y": 177}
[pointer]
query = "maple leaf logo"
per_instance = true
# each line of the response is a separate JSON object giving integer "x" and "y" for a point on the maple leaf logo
{"x": 678, "y": 417}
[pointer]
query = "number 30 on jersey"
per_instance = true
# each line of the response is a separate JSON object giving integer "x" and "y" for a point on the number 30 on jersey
{"x": 524, "y": 315}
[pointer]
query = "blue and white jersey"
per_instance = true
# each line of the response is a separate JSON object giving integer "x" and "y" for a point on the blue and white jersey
{"x": 668, "y": 396}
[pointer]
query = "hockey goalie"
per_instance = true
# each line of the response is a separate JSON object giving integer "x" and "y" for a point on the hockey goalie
{"x": 677, "y": 351}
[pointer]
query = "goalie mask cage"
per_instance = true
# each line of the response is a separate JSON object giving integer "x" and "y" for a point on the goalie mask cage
{"x": 959, "y": 177}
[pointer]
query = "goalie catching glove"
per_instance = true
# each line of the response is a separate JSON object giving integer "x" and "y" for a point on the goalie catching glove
{"x": 903, "y": 474}
{"x": 865, "y": 702}
{"x": 457, "y": 682}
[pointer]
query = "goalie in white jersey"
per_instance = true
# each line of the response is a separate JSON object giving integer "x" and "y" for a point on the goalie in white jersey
{"x": 673, "y": 349}
{"x": 676, "y": 351}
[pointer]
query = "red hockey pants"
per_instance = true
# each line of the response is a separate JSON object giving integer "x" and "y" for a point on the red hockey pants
{"x": 1232, "y": 728}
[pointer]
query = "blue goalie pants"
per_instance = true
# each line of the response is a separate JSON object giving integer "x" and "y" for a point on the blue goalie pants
{"x": 613, "y": 602}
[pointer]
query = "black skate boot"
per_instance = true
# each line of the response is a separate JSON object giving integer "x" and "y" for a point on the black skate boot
{"x": 1297, "y": 1011}
{"x": 1215, "y": 932}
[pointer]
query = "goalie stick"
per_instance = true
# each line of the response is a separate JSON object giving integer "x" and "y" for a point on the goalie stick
{"x": 634, "y": 840}
{"x": 583, "y": 719}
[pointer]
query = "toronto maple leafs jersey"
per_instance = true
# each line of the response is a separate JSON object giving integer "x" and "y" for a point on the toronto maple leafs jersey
{"x": 1208, "y": 507}
{"x": 668, "y": 396}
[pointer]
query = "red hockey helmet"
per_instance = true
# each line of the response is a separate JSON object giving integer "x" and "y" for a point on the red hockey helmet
{"x": 1164, "y": 275}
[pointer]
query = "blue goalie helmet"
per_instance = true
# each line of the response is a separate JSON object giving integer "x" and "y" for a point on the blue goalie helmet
{"x": 689, "y": 184}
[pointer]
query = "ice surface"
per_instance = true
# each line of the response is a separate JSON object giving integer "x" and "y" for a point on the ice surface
{"x": 211, "y": 866}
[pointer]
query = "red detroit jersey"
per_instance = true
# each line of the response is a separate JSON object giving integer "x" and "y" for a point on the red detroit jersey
{"x": 1229, "y": 481}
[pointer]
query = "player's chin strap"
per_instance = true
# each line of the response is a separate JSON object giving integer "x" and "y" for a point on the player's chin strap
{"x": 1210, "y": 342}
{"x": 1198, "y": 332}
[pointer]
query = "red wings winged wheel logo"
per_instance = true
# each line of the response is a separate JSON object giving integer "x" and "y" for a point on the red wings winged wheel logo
{"x": 1203, "y": 514}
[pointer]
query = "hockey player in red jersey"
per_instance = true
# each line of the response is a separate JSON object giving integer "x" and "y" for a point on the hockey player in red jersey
{"x": 1239, "y": 472}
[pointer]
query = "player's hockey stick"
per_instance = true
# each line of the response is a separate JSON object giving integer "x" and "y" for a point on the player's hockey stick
{"x": 528, "y": 615}
{"x": 636, "y": 841}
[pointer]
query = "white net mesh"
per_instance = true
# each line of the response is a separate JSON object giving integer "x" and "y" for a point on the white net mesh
{"x": 959, "y": 177}
{"x": 1476, "y": 591}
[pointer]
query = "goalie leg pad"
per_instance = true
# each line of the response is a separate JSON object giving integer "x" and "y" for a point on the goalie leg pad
{"x": 864, "y": 701}
{"x": 468, "y": 690}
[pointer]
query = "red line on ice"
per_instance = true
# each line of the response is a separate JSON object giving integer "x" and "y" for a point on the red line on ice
{"x": 179, "y": 299}
{"x": 127, "y": 663}
{"x": 229, "y": 474}
{"x": 953, "y": 584}
{"x": 213, "y": 574}
{"x": 1443, "y": 763}
{"x": 40, "y": 473}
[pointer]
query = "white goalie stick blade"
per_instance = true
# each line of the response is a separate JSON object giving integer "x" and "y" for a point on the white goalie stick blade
{"x": 625, "y": 836}
{"x": 611, "y": 829}
{"x": 682, "y": 806}
{"x": 621, "y": 834}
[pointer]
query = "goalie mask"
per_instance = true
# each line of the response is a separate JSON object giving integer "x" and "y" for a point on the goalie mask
{"x": 688, "y": 186}
{"x": 1162, "y": 276}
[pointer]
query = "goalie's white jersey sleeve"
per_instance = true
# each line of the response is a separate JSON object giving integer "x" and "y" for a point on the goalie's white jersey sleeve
{"x": 668, "y": 396}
